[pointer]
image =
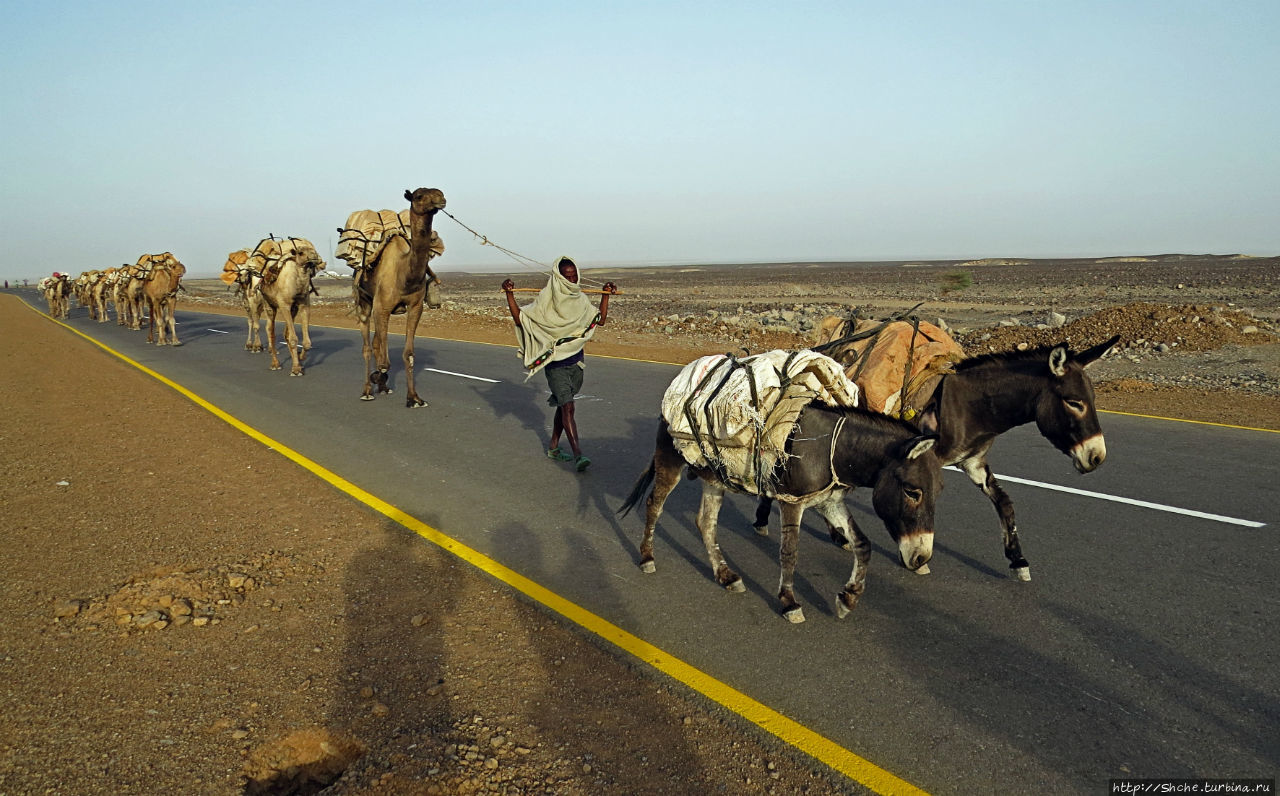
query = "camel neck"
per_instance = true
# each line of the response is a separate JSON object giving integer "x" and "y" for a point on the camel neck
{"x": 420, "y": 246}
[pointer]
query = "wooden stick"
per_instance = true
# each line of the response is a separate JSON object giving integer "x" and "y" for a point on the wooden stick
{"x": 539, "y": 290}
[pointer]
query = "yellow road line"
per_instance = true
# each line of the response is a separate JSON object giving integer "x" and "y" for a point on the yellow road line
{"x": 792, "y": 732}
{"x": 1195, "y": 422}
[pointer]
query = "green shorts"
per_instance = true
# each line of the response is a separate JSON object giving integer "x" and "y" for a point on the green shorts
{"x": 564, "y": 381}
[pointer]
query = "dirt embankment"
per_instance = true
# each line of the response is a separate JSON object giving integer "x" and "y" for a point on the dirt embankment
{"x": 1190, "y": 327}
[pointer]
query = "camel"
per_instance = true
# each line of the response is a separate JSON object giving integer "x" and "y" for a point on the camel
{"x": 57, "y": 291}
{"x": 82, "y": 288}
{"x": 287, "y": 267}
{"x": 134, "y": 292}
{"x": 236, "y": 271}
{"x": 161, "y": 287}
{"x": 99, "y": 291}
{"x": 393, "y": 282}
{"x": 120, "y": 294}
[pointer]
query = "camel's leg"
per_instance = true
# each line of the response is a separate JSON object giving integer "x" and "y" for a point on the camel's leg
{"x": 271, "y": 337}
{"x": 787, "y": 556}
{"x": 412, "y": 316}
{"x": 171, "y": 310}
{"x": 304, "y": 318}
{"x": 708, "y": 513}
{"x": 253, "y": 330}
{"x": 291, "y": 340}
{"x": 667, "y": 466}
{"x": 980, "y": 474}
{"x": 366, "y": 350}
{"x": 151, "y": 328}
{"x": 381, "y": 320}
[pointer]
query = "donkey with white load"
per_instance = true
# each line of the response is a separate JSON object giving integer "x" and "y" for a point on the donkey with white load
{"x": 796, "y": 451}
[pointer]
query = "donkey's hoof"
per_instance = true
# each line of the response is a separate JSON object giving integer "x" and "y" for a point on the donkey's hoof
{"x": 1022, "y": 573}
{"x": 648, "y": 567}
{"x": 794, "y": 615}
{"x": 924, "y": 570}
{"x": 842, "y": 610}
{"x": 761, "y": 530}
{"x": 416, "y": 404}
{"x": 736, "y": 585}
{"x": 295, "y": 373}
{"x": 366, "y": 397}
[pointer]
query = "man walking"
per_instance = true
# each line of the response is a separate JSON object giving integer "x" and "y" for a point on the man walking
{"x": 552, "y": 332}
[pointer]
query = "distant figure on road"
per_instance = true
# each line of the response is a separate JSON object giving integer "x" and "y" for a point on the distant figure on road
{"x": 552, "y": 332}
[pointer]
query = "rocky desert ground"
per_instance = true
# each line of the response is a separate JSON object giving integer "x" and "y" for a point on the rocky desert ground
{"x": 176, "y": 622}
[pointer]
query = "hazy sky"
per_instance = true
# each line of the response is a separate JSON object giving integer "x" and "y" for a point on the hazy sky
{"x": 656, "y": 132}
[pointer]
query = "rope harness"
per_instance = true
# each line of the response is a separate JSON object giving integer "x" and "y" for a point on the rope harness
{"x": 527, "y": 262}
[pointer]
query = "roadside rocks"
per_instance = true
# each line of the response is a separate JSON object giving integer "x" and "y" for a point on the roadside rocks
{"x": 173, "y": 596}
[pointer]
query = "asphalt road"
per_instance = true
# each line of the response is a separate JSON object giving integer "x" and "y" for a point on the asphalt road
{"x": 1144, "y": 646}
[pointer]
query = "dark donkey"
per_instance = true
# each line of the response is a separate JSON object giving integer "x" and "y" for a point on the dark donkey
{"x": 989, "y": 394}
{"x": 829, "y": 452}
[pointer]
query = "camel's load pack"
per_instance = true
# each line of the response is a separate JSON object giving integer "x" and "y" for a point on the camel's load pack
{"x": 362, "y": 235}
{"x": 897, "y": 364}
{"x": 734, "y": 415}
{"x": 266, "y": 258}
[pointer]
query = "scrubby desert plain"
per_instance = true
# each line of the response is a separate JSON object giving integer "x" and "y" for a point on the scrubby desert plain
{"x": 188, "y": 612}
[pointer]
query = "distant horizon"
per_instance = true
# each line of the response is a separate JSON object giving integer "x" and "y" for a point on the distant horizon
{"x": 516, "y": 268}
{"x": 643, "y": 135}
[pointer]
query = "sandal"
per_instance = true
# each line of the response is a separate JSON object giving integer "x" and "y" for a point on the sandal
{"x": 583, "y": 463}
{"x": 556, "y": 454}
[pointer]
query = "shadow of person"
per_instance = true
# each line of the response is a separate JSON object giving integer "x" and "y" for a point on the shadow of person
{"x": 587, "y": 701}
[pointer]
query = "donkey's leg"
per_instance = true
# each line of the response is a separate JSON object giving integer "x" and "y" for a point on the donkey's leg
{"x": 842, "y": 525}
{"x": 980, "y": 474}
{"x": 838, "y": 519}
{"x": 708, "y": 513}
{"x": 667, "y": 466}
{"x": 788, "y": 554}
{"x": 412, "y": 316}
{"x": 761, "y": 523}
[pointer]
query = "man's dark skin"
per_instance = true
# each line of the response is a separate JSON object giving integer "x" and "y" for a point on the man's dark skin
{"x": 564, "y": 421}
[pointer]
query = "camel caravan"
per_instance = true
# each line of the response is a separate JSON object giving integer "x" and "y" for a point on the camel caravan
{"x": 153, "y": 282}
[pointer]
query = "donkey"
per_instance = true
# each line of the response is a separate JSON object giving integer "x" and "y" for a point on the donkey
{"x": 829, "y": 452}
{"x": 989, "y": 394}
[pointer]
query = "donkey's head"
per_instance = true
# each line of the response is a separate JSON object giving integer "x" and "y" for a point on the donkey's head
{"x": 905, "y": 491}
{"x": 1065, "y": 413}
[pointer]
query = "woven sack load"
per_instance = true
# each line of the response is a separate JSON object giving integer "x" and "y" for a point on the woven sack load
{"x": 734, "y": 415}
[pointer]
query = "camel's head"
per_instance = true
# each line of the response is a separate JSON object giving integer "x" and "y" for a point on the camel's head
{"x": 425, "y": 201}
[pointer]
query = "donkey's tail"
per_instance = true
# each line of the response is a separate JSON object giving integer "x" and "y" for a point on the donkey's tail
{"x": 642, "y": 483}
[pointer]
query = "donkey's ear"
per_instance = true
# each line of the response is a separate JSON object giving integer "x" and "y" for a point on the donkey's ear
{"x": 1097, "y": 352}
{"x": 927, "y": 420}
{"x": 1058, "y": 361}
{"x": 920, "y": 445}
{"x": 408, "y": 194}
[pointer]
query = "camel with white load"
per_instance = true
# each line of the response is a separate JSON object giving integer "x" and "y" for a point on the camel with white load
{"x": 287, "y": 267}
